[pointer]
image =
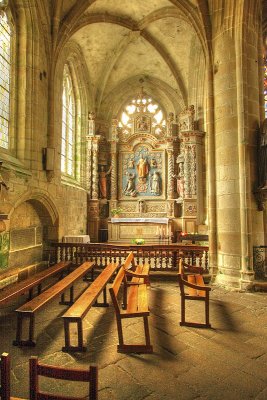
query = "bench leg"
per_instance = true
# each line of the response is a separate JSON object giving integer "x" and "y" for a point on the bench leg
{"x": 105, "y": 303}
{"x": 68, "y": 347}
{"x": 120, "y": 334}
{"x": 182, "y": 311}
{"x": 147, "y": 336}
{"x": 39, "y": 288}
{"x": 19, "y": 341}
{"x": 134, "y": 348}
{"x": 207, "y": 311}
{"x": 71, "y": 300}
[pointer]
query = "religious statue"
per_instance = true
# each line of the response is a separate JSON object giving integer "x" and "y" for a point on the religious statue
{"x": 155, "y": 183}
{"x": 131, "y": 163}
{"x": 153, "y": 163}
{"x": 263, "y": 156}
{"x": 130, "y": 186}
{"x": 141, "y": 206}
{"x": 142, "y": 124}
{"x": 142, "y": 168}
{"x": 103, "y": 181}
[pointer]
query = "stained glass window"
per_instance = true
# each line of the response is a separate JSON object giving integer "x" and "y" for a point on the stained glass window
{"x": 5, "y": 41}
{"x": 68, "y": 125}
{"x": 145, "y": 105}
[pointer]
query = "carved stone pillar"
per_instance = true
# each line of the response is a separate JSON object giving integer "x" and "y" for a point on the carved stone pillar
{"x": 88, "y": 165}
{"x": 95, "y": 150}
{"x": 190, "y": 171}
{"x": 192, "y": 199}
{"x": 114, "y": 167}
{"x": 170, "y": 183}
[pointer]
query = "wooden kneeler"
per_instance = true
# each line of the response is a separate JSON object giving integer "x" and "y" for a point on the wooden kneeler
{"x": 192, "y": 287}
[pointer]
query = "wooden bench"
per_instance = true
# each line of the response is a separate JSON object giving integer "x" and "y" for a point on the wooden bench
{"x": 192, "y": 287}
{"x": 136, "y": 274}
{"x": 19, "y": 288}
{"x": 82, "y": 305}
{"x": 29, "y": 309}
{"x": 135, "y": 304}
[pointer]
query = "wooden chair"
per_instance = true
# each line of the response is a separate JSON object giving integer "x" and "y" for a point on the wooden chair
{"x": 192, "y": 287}
{"x": 78, "y": 375}
{"x": 5, "y": 377}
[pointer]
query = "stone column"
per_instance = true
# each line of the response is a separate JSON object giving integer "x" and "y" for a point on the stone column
{"x": 114, "y": 170}
{"x": 95, "y": 151}
{"x": 88, "y": 182}
{"x": 190, "y": 172}
{"x": 170, "y": 182}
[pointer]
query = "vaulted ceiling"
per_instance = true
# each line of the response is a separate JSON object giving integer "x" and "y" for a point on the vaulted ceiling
{"x": 126, "y": 44}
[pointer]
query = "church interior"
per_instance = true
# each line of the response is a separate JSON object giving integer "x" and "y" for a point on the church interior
{"x": 135, "y": 126}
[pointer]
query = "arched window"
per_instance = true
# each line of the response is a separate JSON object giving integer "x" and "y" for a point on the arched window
{"x": 68, "y": 125}
{"x": 5, "y": 61}
{"x": 145, "y": 112}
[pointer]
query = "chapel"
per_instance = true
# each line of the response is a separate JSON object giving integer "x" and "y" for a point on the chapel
{"x": 129, "y": 125}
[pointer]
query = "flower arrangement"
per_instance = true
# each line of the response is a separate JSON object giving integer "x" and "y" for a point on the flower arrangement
{"x": 116, "y": 211}
{"x": 138, "y": 241}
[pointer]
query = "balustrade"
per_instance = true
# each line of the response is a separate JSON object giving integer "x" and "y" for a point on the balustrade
{"x": 159, "y": 257}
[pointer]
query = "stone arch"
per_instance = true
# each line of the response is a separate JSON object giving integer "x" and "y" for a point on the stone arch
{"x": 33, "y": 223}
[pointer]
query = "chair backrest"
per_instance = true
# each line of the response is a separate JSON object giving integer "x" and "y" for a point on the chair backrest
{"x": 70, "y": 374}
{"x": 5, "y": 377}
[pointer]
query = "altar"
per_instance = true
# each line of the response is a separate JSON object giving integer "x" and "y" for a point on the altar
{"x": 152, "y": 230}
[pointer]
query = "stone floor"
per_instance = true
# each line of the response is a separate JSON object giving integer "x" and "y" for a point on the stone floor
{"x": 228, "y": 361}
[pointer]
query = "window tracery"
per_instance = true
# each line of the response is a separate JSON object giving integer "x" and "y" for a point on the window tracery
{"x": 68, "y": 125}
{"x": 142, "y": 114}
{"x": 5, "y": 62}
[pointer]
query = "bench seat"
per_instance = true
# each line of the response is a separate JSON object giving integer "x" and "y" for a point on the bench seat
{"x": 17, "y": 289}
{"x": 29, "y": 309}
{"x": 82, "y": 305}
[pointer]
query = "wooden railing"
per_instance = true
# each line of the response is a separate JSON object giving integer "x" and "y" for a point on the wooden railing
{"x": 159, "y": 257}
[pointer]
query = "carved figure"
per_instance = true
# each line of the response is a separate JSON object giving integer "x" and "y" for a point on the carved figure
{"x": 142, "y": 167}
{"x": 130, "y": 186}
{"x": 153, "y": 163}
{"x": 142, "y": 124}
{"x": 263, "y": 156}
{"x": 141, "y": 206}
{"x": 131, "y": 163}
{"x": 103, "y": 181}
{"x": 155, "y": 183}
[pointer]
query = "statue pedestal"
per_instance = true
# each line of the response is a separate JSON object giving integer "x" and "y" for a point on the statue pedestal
{"x": 152, "y": 230}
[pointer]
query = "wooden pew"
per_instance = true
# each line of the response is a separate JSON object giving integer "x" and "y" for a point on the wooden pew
{"x": 82, "y": 305}
{"x": 19, "y": 288}
{"x": 136, "y": 274}
{"x": 29, "y": 309}
{"x": 135, "y": 304}
{"x": 192, "y": 287}
{"x": 89, "y": 375}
